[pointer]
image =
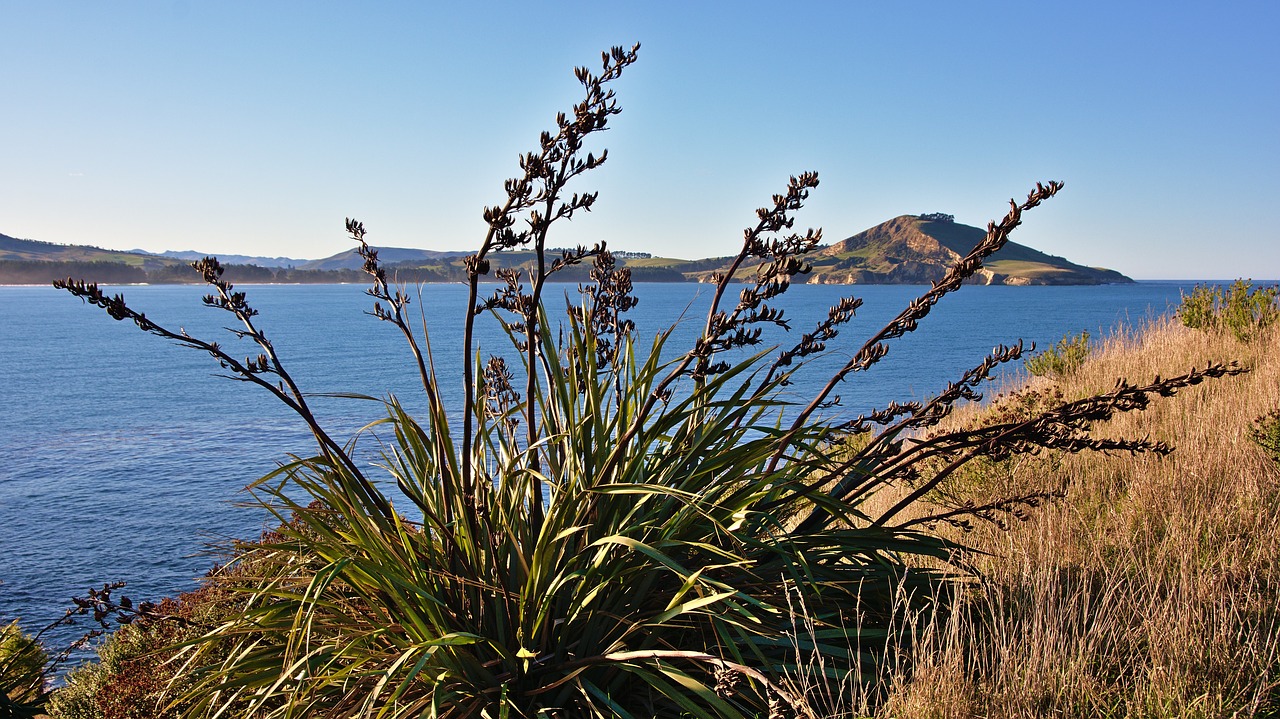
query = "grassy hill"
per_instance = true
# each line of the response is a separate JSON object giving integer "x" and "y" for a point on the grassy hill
{"x": 32, "y": 262}
{"x": 261, "y": 261}
{"x": 905, "y": 250}
{"x": 350, "y": 259}
{"x": 12, "y": 248}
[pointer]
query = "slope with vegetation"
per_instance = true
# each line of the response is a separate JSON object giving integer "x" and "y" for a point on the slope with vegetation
{"x": 906, "y": 250}
{"x": 1148, "y": 586}
{"x": 14, "y": 249}
{"x": 919, "y": 249}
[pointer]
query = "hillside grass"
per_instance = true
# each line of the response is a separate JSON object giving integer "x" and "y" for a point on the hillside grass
{"x": 12, "y": 248}
{"x": 862, "y": 252}
{"x": 653, "y": 262}
{"x": 959, "y": 237}
{"x": 1150, "y": 589}
{"x": 1024, "y": 268}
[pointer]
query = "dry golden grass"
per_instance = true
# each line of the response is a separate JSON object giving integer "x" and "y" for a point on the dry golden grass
{"x": 1151, "y": 590}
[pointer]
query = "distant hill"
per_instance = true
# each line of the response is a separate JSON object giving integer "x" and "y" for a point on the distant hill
{"x": 447, "y": 266}
{"x": 911, "y": 249}
{"x": 191, "y": 255}
{"x": 350, "y": 259}
{"x": 12, "y": 248}
{"x": 32, "y": 262}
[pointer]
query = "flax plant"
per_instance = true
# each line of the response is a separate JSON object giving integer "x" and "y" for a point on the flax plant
{"x": 616, "y": 528}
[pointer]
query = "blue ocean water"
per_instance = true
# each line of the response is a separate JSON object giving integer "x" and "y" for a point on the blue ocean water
{"x": 122, "y": 457}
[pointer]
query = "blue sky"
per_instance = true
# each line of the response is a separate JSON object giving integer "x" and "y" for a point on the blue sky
{"x": 255, "y": 128}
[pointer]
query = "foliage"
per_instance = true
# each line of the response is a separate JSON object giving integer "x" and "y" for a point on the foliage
{"x": 615, "y": 529}
{"x": 39, "y": 272}
{"x": 1199, "y": 310}
{"x": 22, "y": 675}
{"x": 135, "y": 671}
{"x": 27, "y": 669}
{"x": 1242, "y": 310}
{"x": 1149, "y": 590}
{"x": 1062, "y": 359}
{"x": 1266, "y": 433}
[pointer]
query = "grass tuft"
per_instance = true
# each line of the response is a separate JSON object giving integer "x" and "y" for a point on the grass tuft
{"x": 1062, "y": 359}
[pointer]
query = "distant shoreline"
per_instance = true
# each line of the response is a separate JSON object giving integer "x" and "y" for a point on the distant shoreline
{"x": 654, "y": 282}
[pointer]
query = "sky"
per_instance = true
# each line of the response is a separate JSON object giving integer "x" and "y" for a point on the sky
{"x": 256, "y": 128}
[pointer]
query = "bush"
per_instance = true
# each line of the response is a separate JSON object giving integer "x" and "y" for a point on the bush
{"x": 1243, "y": 310}
{"x": 1062, "y": 359}
{"x": 27, "y": 670}
{"x": 139, "y": 672}
{"x": 136, "y": 675}
{"x": 614, "y": 530}
{"x": 1199, "y": 310}
{"x": 22, "y": 673}
{"x": 1266, "y": 433}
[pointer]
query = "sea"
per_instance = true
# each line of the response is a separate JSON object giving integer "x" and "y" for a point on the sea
{"x": 124, "y": 457}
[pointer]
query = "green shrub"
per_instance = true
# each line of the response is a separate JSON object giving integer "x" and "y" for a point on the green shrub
{"x": 1242, "y": 310}
{"x": 1199, "y": 310}
{"x": 133, "y": 674}
{"x": 22, "y": 673}
{"x": 614, "y": 530}
{"x": 139, "y": 672}
{"x": 1266, "y": 433}
{"x": 1061, "y": 360}
{"x": 1248, "y": 309}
